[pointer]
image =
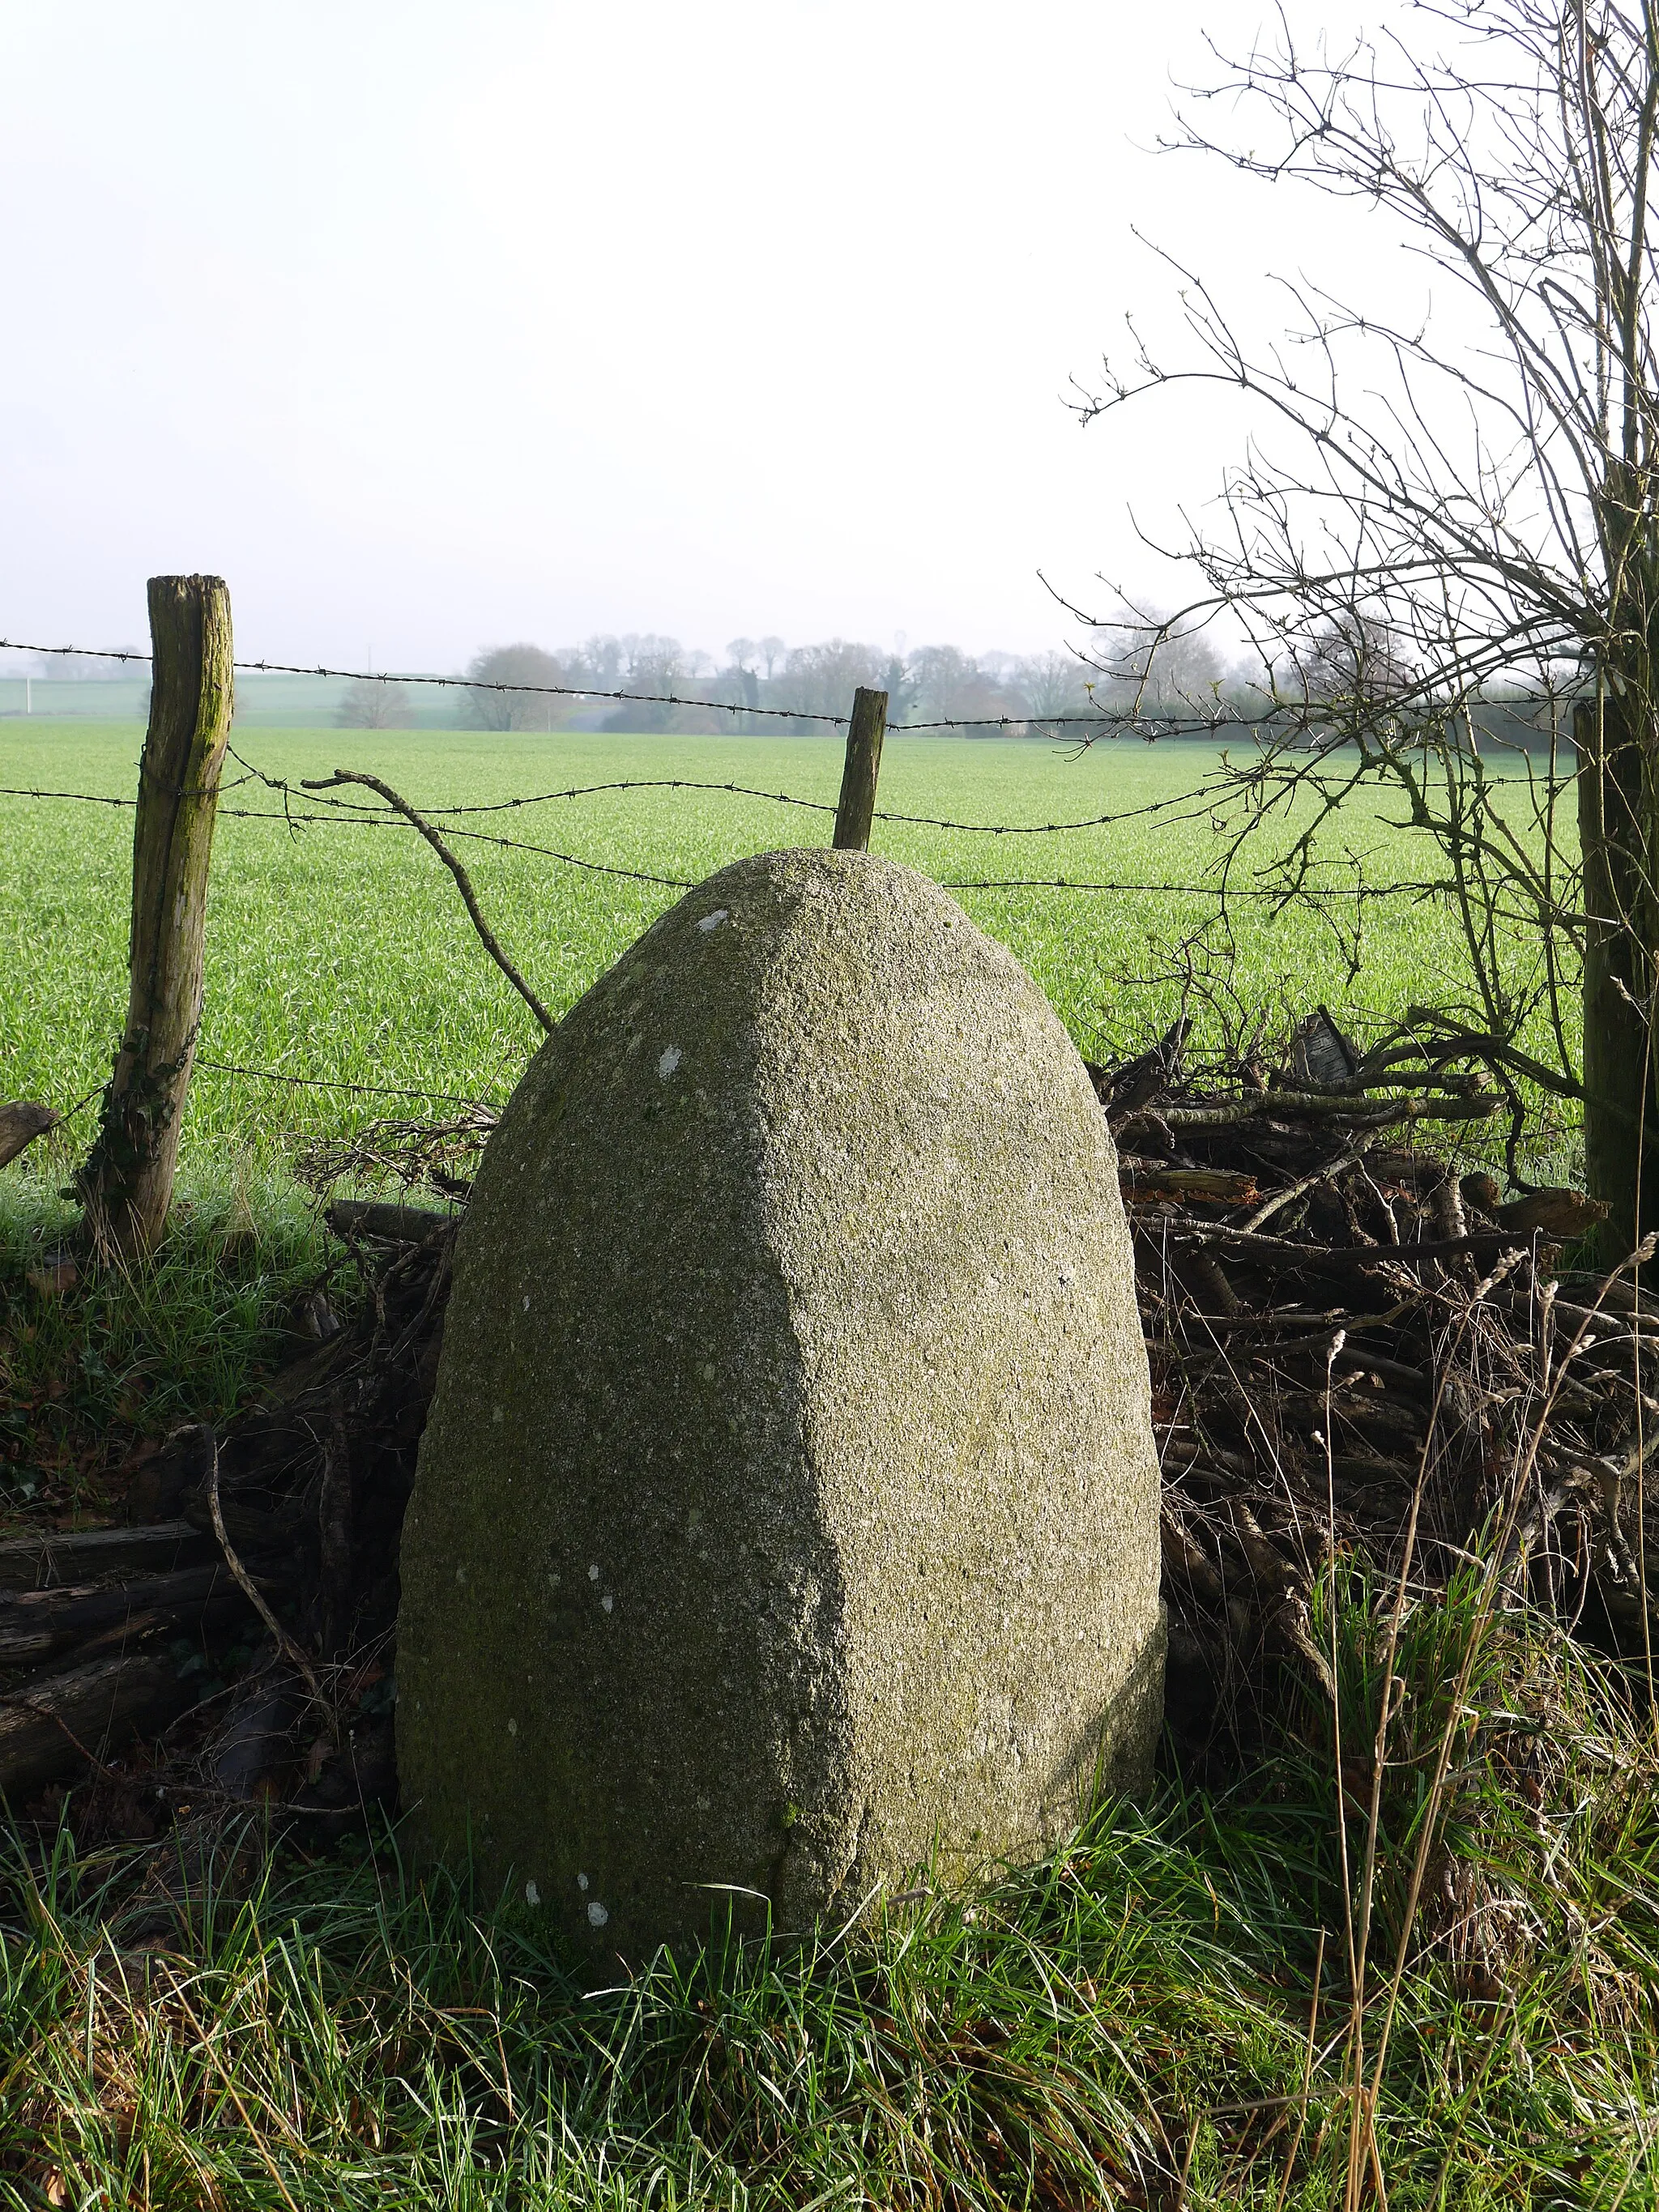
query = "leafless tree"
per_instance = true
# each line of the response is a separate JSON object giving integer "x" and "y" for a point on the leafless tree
{"x": 1347, "y": 656}
{"x": 1055, "y": 683}
{"x": 820, "y": 679}
{"x": 1489, "y": 508}
{"x": 492, "y": 707}
{"x": 1158, "y": 664}
{"x": 373, "y": 703}
{"x": 744, "y": 679}
{"x": 955, "y": 686}
{"x": 659, "y": 667}
{"x": 597, "y": 660}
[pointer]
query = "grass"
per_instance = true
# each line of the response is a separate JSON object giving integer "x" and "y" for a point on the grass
{"x": 91, "y": 1363}
{"x": 1166, "y": 1996}
{"x": 344, "y": 954}
{"x": 1162, "y": 2014}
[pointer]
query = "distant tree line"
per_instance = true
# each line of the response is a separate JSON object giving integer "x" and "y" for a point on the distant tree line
{"x": 762, "y": 678}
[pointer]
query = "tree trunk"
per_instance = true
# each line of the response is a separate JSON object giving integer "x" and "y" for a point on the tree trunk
{"x": 127, "y": 1181}
{"x": 1621, "y": 955}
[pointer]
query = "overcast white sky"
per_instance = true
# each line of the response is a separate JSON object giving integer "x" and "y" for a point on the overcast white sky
{"x": 432, "y": 325}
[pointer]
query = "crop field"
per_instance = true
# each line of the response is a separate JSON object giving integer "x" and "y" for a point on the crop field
{"x": 1166, "y": 1996}
{"x": 343, "y": 954}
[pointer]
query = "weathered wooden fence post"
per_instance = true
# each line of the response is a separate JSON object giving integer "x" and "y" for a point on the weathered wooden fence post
{"x": 126, "y": 1183}
{"x": 857, "y": 807}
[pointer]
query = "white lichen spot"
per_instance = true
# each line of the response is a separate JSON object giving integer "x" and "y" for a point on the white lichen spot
{"x": 532, "y": 1894}
{"x": 703, "y": 1804}
{"x": 582, "y": 1881}
{"x": 497, "y": 1414}
{"x": 513, "y": 1728}
{"x": 607, "y": 1601}
{"x": 597, "y": 1915}
{"x": 708, "y": 1371}
{"x": 553, "y": 1582}
{"x": 460, "y": 1574}
{"x": 526, "y": 1302}
{"x": 713, "y": 920}
{"x": 592, "y": 1574}
{"x": 668, "y": 1062}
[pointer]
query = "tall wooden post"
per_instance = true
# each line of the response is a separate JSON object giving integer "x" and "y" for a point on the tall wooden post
{"x": 126, "y": 1183}
{"x": 857, "y": 809}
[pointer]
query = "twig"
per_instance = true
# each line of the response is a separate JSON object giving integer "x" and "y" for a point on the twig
{"x": 250, "y": 1589}
{"x": 464, "y": 882}
{"x": 1246, "y": 1243}
{"x": 1328, "y": 1174}
{"x": 1222, "y": 1114}
{"x": 37, "y": 1705}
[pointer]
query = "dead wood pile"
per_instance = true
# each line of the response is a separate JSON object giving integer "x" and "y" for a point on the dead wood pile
{"x": 1352, "y": 1339}
{"x": 1344, "y": 1330}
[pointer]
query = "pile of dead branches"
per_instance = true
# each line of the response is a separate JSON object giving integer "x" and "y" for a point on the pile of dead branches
{"x": 242, "y": 1627}
{"x": 1359, "y": 1349}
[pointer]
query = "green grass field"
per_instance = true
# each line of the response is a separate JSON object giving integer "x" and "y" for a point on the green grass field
{"x": 344, "y": 954}
{"x": 1160, "y": 2015}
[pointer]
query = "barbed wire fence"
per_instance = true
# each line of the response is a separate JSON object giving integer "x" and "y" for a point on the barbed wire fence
{"x": 311, "y": 804}
{"x": 1102, "y": 719}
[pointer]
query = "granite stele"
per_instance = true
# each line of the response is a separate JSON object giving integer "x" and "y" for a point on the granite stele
{"x": 787, "y": 1513}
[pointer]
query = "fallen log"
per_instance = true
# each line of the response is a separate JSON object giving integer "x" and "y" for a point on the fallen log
{"x": 1557, "y": 1212}
{"x": 394, "y": 1225}
{"x": 1356, "y": 1112}
{"x": 63, "y": 1723}
{"x": 37, "y": 1625}
{"x": 38, "y": 1559}
{"x": 1214, "y": 1185}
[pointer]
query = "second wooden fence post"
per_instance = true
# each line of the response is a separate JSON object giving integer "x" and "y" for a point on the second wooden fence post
{"x": 864, "y": 732}
{"x": 126, "y": 1184}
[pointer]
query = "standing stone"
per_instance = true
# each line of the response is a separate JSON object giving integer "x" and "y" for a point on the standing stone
{"x": 787, "y": 1511}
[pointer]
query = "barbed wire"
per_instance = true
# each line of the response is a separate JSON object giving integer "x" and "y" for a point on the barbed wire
{"x": 324, "y": 1082}
{"x": 369, "y": 818}
{"x": 1194, "y": 800}
{"x": 81, "y": 798}
{"x": 316, "y": 809}
{"x": 343, "y": 814}
{"x": 828, "y": 807}
{"x": 1134, "y": 724}
{"x": 782, "y": 798}
{"x": 536, "y": 799}
{"x": 105, "y": 799}
{"x": 1276, "y": 894}
{"x": 355, "y": 812}
{"x": 446, "y": 683}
